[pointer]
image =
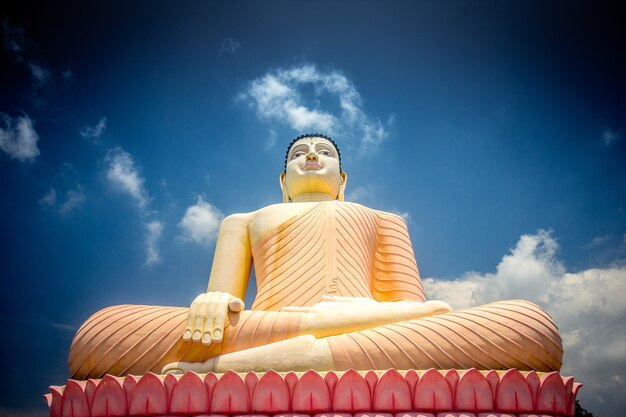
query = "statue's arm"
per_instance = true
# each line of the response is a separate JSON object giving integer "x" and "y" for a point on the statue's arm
{"x": 227, "y": 283}
{"x": 395, "y": 274}
{"x": 233, "y": 257}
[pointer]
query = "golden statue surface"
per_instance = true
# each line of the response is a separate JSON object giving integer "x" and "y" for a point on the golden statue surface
{"x": 337, "y": 288}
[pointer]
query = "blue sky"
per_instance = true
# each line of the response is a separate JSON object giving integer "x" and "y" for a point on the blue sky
{"x": 128, "y": 131}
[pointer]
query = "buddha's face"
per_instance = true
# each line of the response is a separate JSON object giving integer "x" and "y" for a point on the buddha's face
{"x": 312, "y": 167}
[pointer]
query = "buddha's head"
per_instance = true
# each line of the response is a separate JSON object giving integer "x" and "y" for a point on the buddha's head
{"x": 313, "y": 169}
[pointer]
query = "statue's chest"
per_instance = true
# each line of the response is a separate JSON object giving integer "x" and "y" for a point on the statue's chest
{"x": 328, "y": 249}
{"x": 273, "y": 218}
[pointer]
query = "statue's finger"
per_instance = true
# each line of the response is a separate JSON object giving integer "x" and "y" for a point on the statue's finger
{"x": 206, "y": 337}
{"x": 220, "y": 319}
{"x": 236, "y": 304}
{"x": 209, "y": 319}
{"x": 199, "y": 322}
{"x": 191, "y": 319}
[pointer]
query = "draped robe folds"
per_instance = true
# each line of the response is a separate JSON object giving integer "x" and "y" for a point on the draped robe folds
{"x": 334, "y": 248}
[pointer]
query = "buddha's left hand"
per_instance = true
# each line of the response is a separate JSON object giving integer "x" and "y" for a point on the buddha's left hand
{"x": 335, "y": 315}
{"x": 327, "y": 298}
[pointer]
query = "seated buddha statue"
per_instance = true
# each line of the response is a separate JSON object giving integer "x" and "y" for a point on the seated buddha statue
{"x": 337, "y": 288}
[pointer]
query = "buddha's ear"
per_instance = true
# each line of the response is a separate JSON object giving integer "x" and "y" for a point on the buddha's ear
{"x": 342, "y": 187}
{"x": 283, "y": 187}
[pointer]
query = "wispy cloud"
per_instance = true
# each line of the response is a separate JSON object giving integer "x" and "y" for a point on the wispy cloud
{"x": 74, "y": 199}
{"x": 41, "y": 75}
{"x": 609, "y": 137}
{"x": 597, "y": 241}
{"x": 67, "y": 75}
{"x": 229, "y": 46}
{"x": 13, "y": 37}
{"x": 24, "y": 52}
{"x": 279, "y": 97}
{"x": 123, "y": 174}
{"x": 588, "y": 306}
{"x": 406, "y": 216}
{"x": 153, "y": 235}
{"x": 201, "y": 223}
{"x": 66, "y": 185}
{"x": 63, "y": 326}
{"x": 272, "y": 137}
{"x": 18, "y": 137}
{"x": 49, "y": 198}
{"x": 359, "y": 194}
{"x": 94, "y": 132}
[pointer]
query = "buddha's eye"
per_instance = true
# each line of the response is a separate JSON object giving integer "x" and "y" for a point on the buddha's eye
{"x": 297, "y": 154}
{"x": 326, "y": 153}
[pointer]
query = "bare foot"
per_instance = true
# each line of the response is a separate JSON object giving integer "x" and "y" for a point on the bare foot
{"x": 438, "y": 307}
{"x": 182, "y": 367}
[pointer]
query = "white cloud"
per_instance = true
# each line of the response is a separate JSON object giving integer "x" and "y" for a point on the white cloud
{"x": 153, "y": 235}
{"x": 302, "y": 118}
{"x": 271, "y": 139}
{"x": 96, "y": 131}
{"x": 74, "y": 195}
{"x": 18, "y": 137}
{"x": 13, "y": 37}
{"x": 278, "y": 97}
{"x": 67, "y": 75}
{"x": 609, "y": 137}
{"x": 201, "y": 223}
{"x": 40, "y": 74}
{"x": 229, "y": 46}
{"x": 588, "y": 306}
{"x": 124, "y": 175}
{"x": 597, "y": 241}
{"x": 73, "y": 200}
{"x": 49, "y": 198}
{"x": 64, "y": 327}
{"x": 358, "y": 194}
{"x": 406, "y": 216}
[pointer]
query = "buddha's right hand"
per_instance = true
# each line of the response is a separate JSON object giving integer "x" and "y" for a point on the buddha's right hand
{"x": 207, "y": 316}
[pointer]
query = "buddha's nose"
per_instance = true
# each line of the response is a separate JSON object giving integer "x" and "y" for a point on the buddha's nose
{"x": 311, "y": 156}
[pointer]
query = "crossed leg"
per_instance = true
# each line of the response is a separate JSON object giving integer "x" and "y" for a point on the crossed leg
{"x": 310, "y": 350}
{"x": 510, "y": 334}
{"x": 127, "y": 339}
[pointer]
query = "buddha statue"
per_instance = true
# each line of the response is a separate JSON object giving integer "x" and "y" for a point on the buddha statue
{"x": 337, "y": 288}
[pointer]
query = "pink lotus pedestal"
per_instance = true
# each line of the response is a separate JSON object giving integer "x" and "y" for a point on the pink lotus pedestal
{"x": 430, "y": 393}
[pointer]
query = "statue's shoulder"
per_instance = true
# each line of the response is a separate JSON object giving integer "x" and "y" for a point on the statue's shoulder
{"x": 271, "y": 210}
{"x": 237, "y": 220}
{"x": 271, "y": 207}
{"x": 355, "y": 205}
{"x": 394, "y": 217}
{"x": 249, "y": 216}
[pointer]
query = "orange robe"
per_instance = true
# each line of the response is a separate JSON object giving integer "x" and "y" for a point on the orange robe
{"x": 334, "y": 248}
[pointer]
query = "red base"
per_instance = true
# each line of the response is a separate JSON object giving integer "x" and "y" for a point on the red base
{"x": 431, "y": 393}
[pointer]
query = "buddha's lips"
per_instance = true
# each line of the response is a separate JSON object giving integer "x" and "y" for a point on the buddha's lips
{"x": 312, "y": 166}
